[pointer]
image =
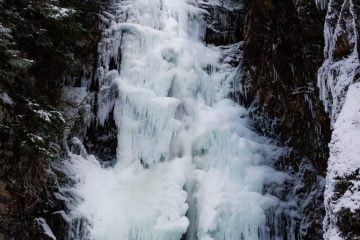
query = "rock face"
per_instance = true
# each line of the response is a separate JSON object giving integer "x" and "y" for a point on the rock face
{"x": 101, "y": 136}
{"x": 98, "y": 130}
{"x": 338, "y": 81}
{"x": 224, "y": 22}
{"x": 283, "y": 52}
{"x": 283, "y": 57}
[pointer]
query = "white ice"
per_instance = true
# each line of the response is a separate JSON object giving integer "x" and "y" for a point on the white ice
{"x": 45, "y": 227}
{"x": 187, "y": 159}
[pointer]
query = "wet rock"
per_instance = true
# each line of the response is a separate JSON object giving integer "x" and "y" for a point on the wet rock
{"x": 224, "y": 24}
{"x": 102, "y": 139}
{"x": 5, "y": 198}
{"x": 343, "y": 48}
{"x": 283, "y": 51}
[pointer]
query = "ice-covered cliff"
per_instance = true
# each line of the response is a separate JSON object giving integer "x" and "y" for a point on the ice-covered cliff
{"x": 339, "y": 90}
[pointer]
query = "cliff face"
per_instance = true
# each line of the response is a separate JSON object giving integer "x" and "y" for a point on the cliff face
{"x": 283, "y": 46}
{"x": 283, "y": 52}
{"x": 338, "y": 82}
{"x": 304, "y": 96}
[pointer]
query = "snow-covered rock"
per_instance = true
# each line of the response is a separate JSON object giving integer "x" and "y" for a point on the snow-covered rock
{"x": 340, "y": 92}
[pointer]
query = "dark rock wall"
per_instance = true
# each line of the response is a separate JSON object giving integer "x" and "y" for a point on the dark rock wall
{"x": 283, "y": 50}
{"x": 100, "y": 136}
{"x": 224, "y": 23}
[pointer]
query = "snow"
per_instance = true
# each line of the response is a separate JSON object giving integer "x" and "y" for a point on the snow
{"x": 344, "y": 160}
{"x": 334, "y": 79}
{"x": 35, "y": 138}
{"x": 6, "y": 98}
{"x": 59, "y": 12}
{"x": 188, "y": 161}
{"x": 4, "y": 30}
{"x": 47, "y": 230}
{"x": 346, "y": 134}
{"x": 335, "y": 75}
{"x": 340, "y": 93}
{"x": 43, "y": 115}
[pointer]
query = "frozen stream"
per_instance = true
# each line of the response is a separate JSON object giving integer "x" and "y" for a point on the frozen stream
{"x": 189, "y": 165}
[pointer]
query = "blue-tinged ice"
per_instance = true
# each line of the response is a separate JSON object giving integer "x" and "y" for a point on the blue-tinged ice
{"x": 188, "y": 163}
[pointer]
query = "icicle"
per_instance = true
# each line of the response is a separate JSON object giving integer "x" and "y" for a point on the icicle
{"x": 321, "y": 4}
{"x": 182, "y": 144}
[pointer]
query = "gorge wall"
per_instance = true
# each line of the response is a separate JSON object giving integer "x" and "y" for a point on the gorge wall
{"x": 339, "y": 90}
{"x": 283, "y": 52}
{"x": 302, "y": 58}
{"x": 52, "y": 84}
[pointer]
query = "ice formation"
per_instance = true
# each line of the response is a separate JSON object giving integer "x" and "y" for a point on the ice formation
{"x": 338, "y": 72}
{"x": 189, "y": 165}
{"x": 45, "y": 227}
{"x": 321, "y": 4}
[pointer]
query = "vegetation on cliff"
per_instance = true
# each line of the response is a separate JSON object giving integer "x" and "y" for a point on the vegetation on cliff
{"x": 44, "y": 44}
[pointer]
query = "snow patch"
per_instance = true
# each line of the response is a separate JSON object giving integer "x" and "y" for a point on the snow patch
{"x": 47, "y": 230}
{"x": 344, "y": 161}
{"x": 6, "y": 98}
{"x": 59, "y": 12}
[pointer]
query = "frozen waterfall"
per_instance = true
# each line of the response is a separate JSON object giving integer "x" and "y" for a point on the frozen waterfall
{"x": 189, "y": 166}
